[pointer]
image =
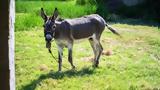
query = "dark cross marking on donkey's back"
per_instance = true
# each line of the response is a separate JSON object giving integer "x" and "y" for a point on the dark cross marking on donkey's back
{"x": 66, "y": 31}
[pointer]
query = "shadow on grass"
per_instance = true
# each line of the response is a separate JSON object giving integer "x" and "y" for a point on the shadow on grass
{"x": 58, "y": 75}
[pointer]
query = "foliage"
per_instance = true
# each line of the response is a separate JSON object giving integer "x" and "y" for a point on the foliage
{"x": 28, "y": 12}
{"x": 43, "y": 0}
{"x": 27, "y": 21}
{"x": 84, "y": 2}
{"x": 102, "y": 11}
{"x": 153, "y": 9}
{"x": 147, "y": 10}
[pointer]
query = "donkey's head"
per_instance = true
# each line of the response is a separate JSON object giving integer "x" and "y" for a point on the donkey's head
{"x": 49, "y": 26}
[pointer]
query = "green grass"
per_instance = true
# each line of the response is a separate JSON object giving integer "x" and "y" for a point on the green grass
{"x": 134, "y": 64}
{"x": 66, "y": 9}
{"x": 28, "y": 12}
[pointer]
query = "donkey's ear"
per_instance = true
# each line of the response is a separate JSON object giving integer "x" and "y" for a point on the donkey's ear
{"x": 43, "y": 15}
{"x": 55, "y": 14}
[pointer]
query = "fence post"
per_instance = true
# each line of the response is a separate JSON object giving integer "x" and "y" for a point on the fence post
{"x": 7, "y": 69}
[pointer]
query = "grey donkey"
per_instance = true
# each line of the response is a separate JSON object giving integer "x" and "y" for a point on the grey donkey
{"x": 66, "y": 31}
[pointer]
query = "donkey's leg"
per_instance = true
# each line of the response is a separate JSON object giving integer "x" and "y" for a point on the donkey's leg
{"x": 93, "y": 46}
{"x": 99, "y": 50}
{"x": 70, "y": 46}
{"x": 60, "y": 54}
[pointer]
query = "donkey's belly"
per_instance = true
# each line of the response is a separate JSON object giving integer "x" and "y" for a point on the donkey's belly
{"x": 82, "y": 31}
{"x": 80, "y": 35}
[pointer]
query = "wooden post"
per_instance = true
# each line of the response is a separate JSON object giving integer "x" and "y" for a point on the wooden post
{"x": 7, "y": 18}
{"x": 11, "y": 43}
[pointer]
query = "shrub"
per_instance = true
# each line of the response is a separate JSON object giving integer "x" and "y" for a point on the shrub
{"x": 84, "y": 2}
{"x": 28, "y": 12}
{"x": 27, "y": 21}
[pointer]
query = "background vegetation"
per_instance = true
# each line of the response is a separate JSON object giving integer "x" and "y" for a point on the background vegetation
{"x": 28, "y": 12}
{"x": 134, "y": 63}
{"x": 147, "y": 10}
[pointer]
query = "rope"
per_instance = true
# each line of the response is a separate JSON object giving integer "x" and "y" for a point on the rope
{"x": 55, "y": 58}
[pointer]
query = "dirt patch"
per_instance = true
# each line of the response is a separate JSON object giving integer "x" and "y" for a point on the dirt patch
{"x": 110, "y": 41}
{"x": 91, "y": 58}
{"x": 88, "y": 59}
{"x": 43, "y": 67}
{"x": 107, "y": 52}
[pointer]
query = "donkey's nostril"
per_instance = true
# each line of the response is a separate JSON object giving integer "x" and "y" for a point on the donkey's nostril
{"x": 48, "y": 37}
{"x": 54, "y": 26}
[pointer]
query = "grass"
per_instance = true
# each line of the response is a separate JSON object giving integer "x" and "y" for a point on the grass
{"x": 134, "y": 64}
{"x": 65, "y": 8}
{"x": 28, "y": 12}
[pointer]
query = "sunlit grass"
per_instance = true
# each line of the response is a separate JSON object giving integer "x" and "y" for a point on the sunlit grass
{"x": 134, "y": 64}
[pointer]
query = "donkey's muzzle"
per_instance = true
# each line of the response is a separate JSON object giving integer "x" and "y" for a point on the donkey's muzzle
{"x": 48, "y": 37}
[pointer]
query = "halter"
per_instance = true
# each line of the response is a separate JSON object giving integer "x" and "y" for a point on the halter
{"x": 49, "y": 32}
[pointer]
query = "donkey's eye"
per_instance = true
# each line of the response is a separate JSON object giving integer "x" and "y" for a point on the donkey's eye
{"x": 43, "y": 25}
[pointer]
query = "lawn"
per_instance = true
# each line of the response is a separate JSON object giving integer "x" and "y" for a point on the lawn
{"x": 133, "y": 65}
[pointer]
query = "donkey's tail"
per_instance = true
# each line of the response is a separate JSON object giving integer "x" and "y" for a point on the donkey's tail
{"x": 112, "y": 30}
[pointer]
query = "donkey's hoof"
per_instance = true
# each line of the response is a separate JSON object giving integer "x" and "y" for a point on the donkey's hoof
{"x": 59, "y": 71}
{"x": 95, "y": 65}
{"x": 73, "y": 67}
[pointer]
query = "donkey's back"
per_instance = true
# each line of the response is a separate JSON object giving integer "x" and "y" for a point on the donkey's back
{"x": 86, "y": 26}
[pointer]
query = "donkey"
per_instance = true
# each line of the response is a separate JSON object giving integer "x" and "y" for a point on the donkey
{"x": 66, "y": 31}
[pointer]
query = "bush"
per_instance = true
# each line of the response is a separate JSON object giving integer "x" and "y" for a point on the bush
{"x": 101, "y": 10}
{"x": 147, "y": 10}
{"x": 84, "y": 2}
{"x": 28, "y": 12}
{"x": 27, "y": 21}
